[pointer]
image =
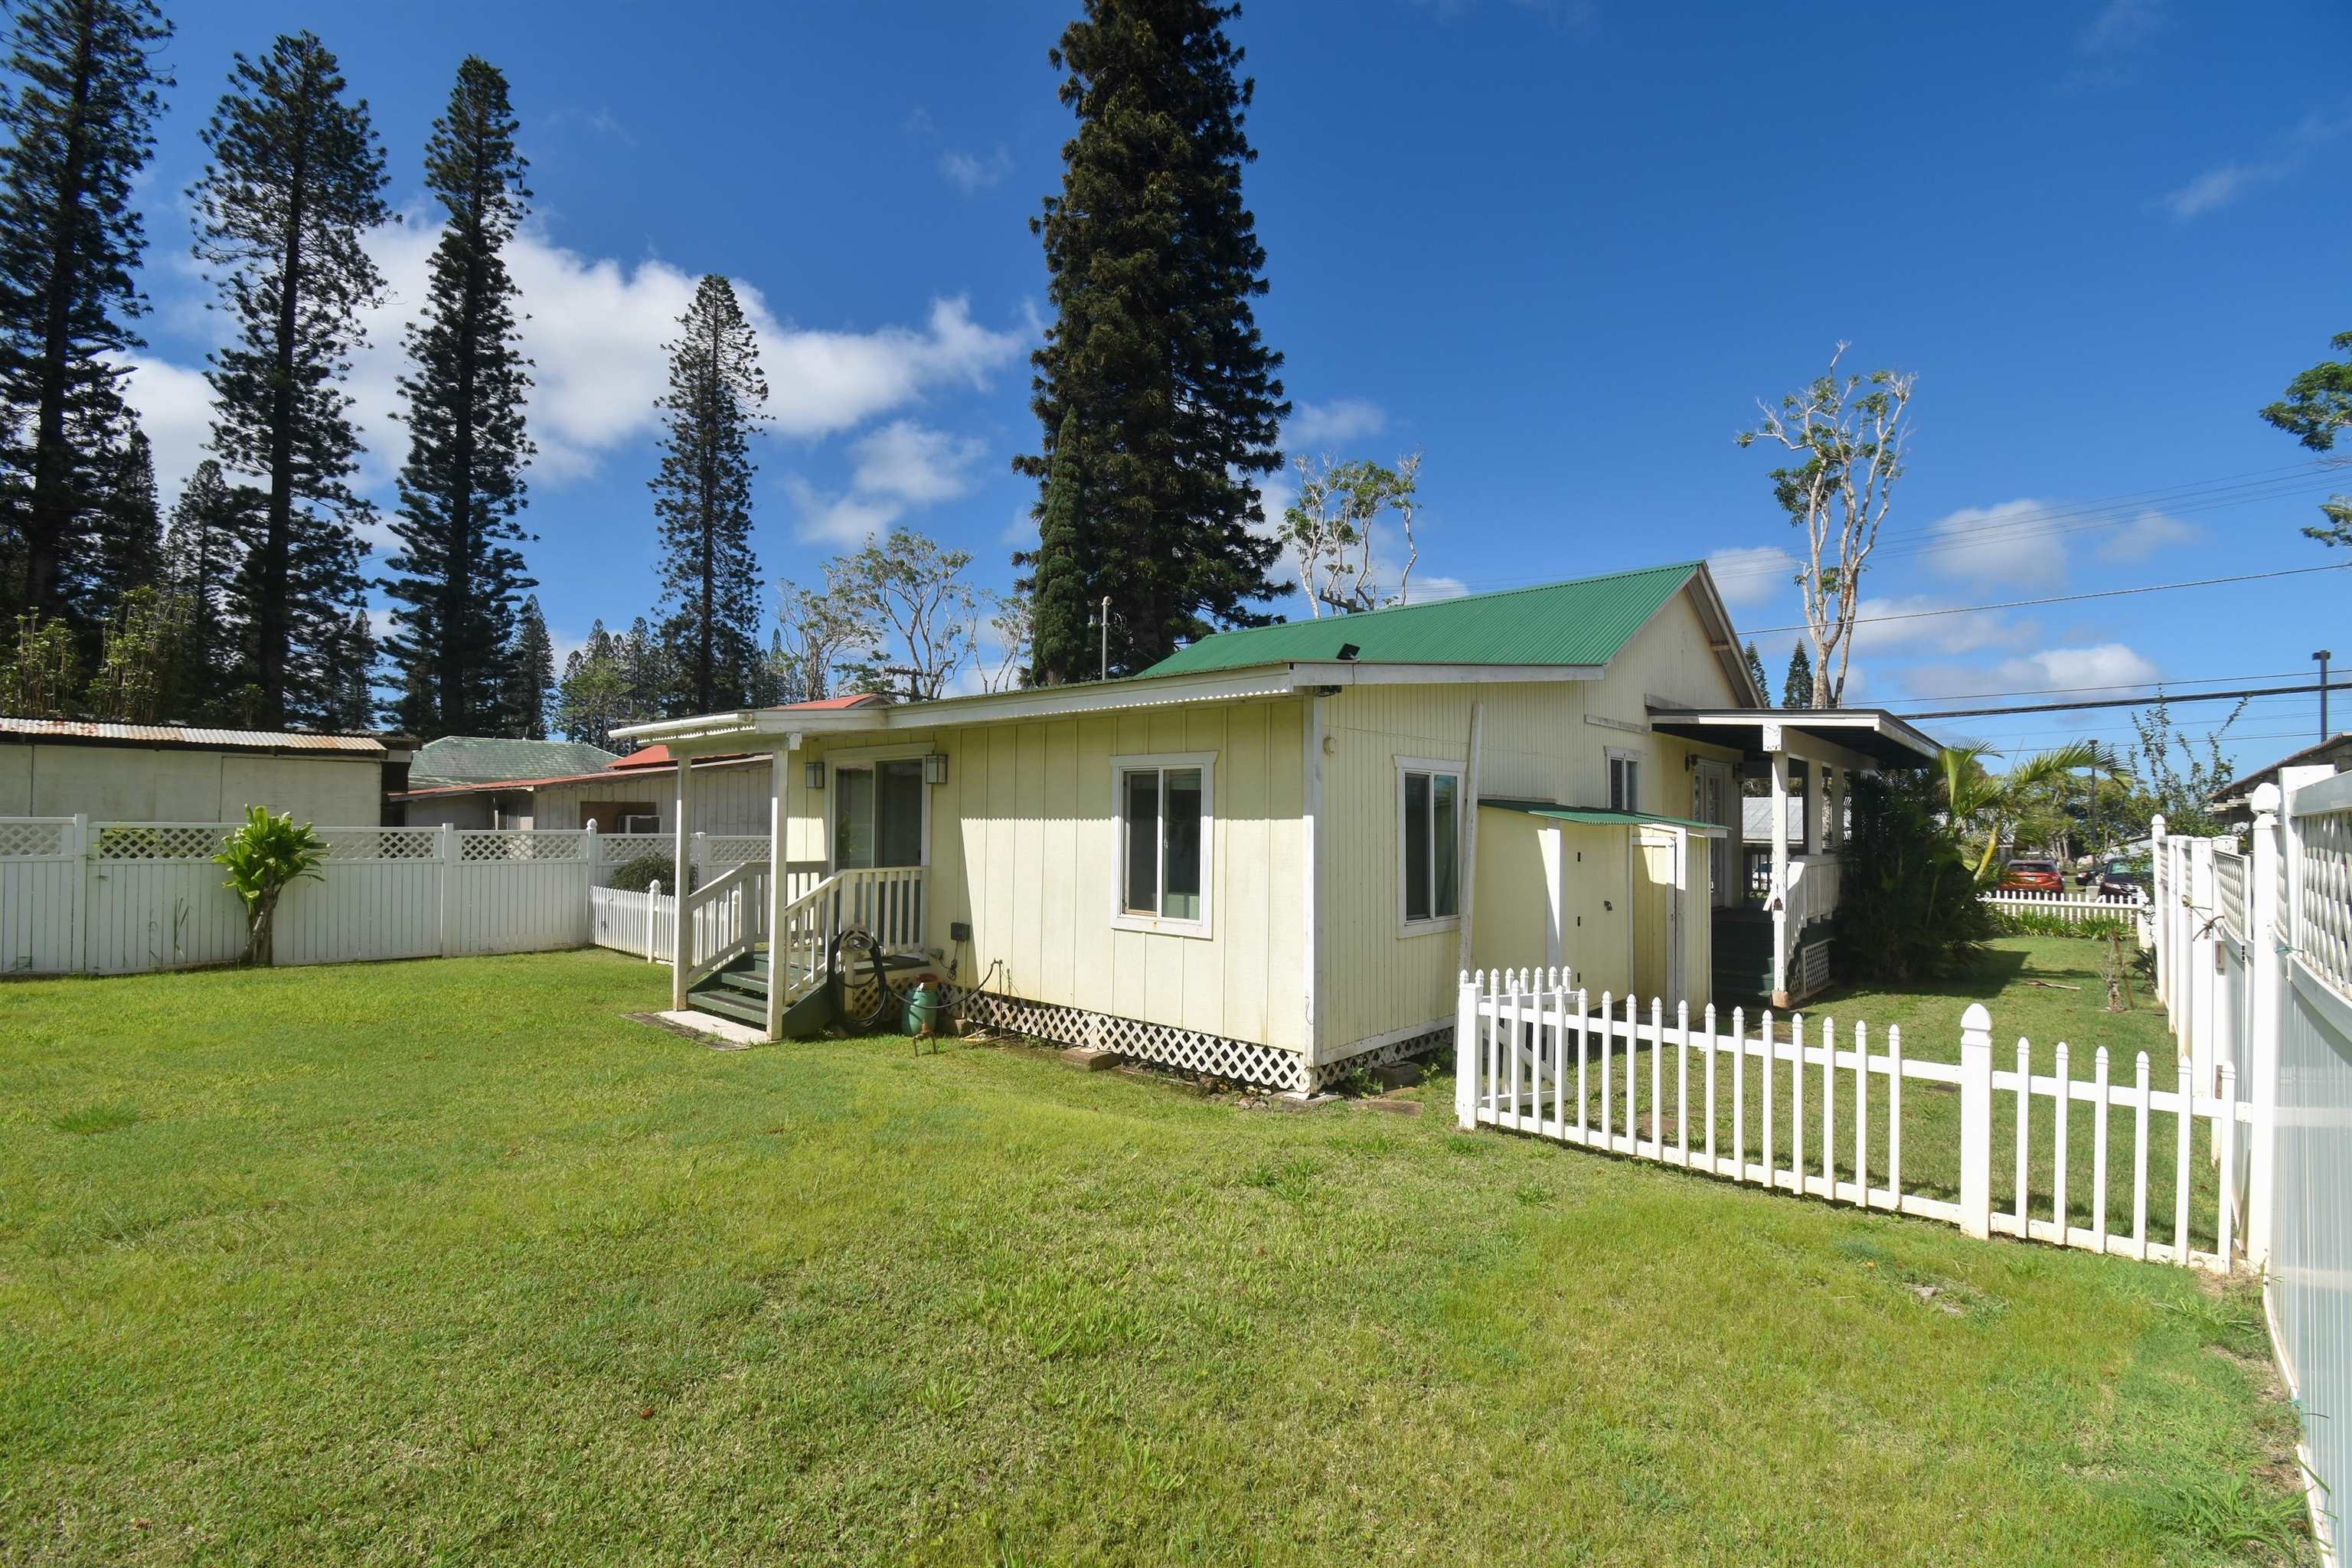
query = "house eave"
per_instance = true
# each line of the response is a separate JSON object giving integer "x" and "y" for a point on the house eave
{"x": 717, "y": 731}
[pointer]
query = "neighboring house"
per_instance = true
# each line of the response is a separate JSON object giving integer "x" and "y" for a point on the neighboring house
{"x": 2232, "y": 801}
{"x": 478, "y": 781}
{"x": 1258, "y": 857}
{"x": 179, "y": 773}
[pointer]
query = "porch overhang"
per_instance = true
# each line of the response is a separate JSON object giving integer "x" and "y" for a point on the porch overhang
{"x": 1604, "y": 816}
{"x": 1867, "y": 737}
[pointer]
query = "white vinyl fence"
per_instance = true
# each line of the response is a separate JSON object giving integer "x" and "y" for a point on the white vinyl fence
{"x": 118, "y": 898}
{"x": 2103, "y": 1162}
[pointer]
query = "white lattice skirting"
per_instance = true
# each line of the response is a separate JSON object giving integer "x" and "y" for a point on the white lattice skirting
{"x": 1190, "y": 1049}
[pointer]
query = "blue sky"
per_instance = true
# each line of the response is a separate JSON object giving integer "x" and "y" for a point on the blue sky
{"x": 1559, "y": 248}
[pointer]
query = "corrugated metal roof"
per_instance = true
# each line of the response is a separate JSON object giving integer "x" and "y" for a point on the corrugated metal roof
{"x": 1585, "y": 621}
{"x": 188, "y": 735}
{"x": 492, "y": 758}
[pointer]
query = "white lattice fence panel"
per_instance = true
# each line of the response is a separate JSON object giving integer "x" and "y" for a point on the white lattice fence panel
{"x": 2323, "y": 925}
{"x": 479, "y": 845}
{"x": 2230, "y": 883}
{"x": 381, "y": 843}
{"x": 1187, "y": 1049}
{"x": 722, "y": 850}
{"x": 28, "y": 838}
{"x": 158, "y": 840}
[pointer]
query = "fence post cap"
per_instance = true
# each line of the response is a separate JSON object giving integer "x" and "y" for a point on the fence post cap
{"x": 1976, "y": 1019}
{"x": 2265, "y": 799}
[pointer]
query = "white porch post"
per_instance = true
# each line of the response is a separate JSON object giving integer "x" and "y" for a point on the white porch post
{"x": 1834, "y": 824}
{"x": 777, "y": 760}
{"x": 1780, "y": 762}
{"x": 681, "y": 935}
{"x": 1815, "y": 784}
{"x": 2160, "y": 918}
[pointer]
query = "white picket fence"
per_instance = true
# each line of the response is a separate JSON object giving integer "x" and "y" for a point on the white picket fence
{"x": 119, "y": 898}
{"x": 1805, "y": 1110}
{"x": 642, "y": 924}
{"x": 2075, "y": 908}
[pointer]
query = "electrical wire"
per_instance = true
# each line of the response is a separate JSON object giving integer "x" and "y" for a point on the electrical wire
{"x": 2072, "y": 598}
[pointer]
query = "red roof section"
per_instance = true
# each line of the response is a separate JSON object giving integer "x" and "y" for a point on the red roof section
{"x": 830, "y": 704}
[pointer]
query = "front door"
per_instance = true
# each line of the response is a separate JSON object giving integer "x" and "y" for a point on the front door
{"x": 877, "y": 815}
{"x": 877, "y": 822}
{"x": 1713, "y": 800}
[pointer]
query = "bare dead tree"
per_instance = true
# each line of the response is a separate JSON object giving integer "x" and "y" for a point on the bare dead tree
{"x": 1849, "y": 440}
{"x": 1330, "y": 531}
{"x": 820, "y": 631}
{"x": 913, "y": 592}
{"x": 1011, "y": 623}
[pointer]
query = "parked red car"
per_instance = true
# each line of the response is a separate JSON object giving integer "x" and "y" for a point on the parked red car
{"x": 2032, "y": 877}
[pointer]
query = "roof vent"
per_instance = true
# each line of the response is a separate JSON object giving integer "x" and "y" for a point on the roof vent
{"x": 1348, "y": 650}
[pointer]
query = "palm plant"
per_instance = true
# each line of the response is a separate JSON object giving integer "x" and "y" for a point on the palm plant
{"x": 1977, "y": 801}
{"x": 263, "y": 858}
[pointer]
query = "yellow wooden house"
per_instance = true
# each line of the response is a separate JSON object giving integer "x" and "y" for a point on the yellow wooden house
{"x": 1259, "y": 858}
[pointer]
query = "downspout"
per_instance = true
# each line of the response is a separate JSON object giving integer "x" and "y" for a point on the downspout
{"x": 1470, "y": 834}
{"x": 1310, "y": 811}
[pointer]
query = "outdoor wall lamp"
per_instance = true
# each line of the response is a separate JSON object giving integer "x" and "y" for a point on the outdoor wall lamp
{"x": 812, "y": 775}
{"x": 934, "y": 767}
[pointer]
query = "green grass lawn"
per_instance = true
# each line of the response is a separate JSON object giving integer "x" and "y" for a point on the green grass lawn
{"x": 449, "y": 1262}
{"x": 2044, "y": 990}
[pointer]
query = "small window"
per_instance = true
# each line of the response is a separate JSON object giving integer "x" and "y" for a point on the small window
{"x": 1163, "y": 811}
{"x": 1430, "y": 842}
{"x": 1624, "y": 782}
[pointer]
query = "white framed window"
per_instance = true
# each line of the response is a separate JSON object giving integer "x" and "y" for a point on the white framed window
{"x": 1624, "y": 780}
{"x": 1164, "y": 806}
{"x": 1430, "y": 810}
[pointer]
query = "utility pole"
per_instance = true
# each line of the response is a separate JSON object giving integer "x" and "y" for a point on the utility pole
{"x": 2323, "y": 655}
{"x": 1102, "y": 619}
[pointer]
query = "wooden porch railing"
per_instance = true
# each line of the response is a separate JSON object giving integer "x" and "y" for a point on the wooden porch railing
{"x": 717, "y": 924}
{"x": 886, "y": 903}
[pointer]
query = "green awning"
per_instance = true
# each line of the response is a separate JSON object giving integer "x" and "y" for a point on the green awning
{"x": 1605, "y": 816}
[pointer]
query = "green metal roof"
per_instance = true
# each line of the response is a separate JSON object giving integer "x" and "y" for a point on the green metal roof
{"x": 1602, "y": 815}
{"x": 1585, "y": 621}
{"x": 489, "y": 759}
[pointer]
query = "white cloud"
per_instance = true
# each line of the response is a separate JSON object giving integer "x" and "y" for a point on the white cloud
{"x": 1341, "y": 419}
{"x": 901, "y": 465}
{"x": 2219, "y": 186}
{"x": 2147, "y": 534}
{"x": 1428, "y": 588}
{"x": 1752, "y": 574}
{"x": 972, "y": 174}
{"x": 1021, "y": 533}
{"x": 2121, "y": 26}
{"x": 846, "y": 519}
{"x": 1907, "y": 622}
{"x": 2009, "y": 543}
{"x": 594, "y": 328}
{"x": 906, "y": 460}
{"x": 176, "y": 409}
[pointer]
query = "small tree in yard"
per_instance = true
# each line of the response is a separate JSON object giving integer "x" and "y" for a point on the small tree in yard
{"x": 264, "y": 858}
{"x": 1848, "y": 440}
{"x": 2014, "y": 804}
{"x": 1907, "y": 905}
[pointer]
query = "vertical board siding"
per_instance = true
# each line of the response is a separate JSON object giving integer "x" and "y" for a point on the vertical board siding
{"x": 1536, "y": 745}
{"x": 1025, "y": 847}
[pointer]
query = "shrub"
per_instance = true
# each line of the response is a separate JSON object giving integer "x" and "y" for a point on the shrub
{"x": 640, "y": 872}
{"x": 2035, "y": 923}
{"x": 263, "y": 856}
{"x": 1907, "y": 907}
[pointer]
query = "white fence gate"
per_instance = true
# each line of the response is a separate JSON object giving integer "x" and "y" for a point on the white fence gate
{"x": 119, "y": 898}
